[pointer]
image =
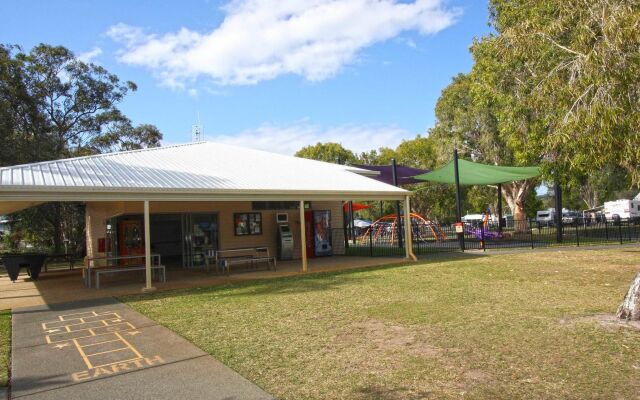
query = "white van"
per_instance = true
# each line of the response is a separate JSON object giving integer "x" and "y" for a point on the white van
{"x": 622, "y": 209}
{"x": 546, "y": 217}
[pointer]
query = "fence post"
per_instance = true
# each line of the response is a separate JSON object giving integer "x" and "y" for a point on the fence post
{"x": 370, "y": 243}
{"x": 577, "y": 238}
{"x": 606, "y": 229}
{"x": 482, "y": 237}
{"x": 531, "y": 232}
{"x": 620, "y": 230}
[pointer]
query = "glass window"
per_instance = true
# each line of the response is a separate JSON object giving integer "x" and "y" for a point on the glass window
{"x": 247, "y": 224}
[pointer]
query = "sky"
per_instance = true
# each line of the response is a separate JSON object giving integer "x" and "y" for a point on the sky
{"x": 274, "y": 75}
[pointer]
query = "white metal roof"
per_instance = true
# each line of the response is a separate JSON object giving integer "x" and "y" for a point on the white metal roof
{"x": 202, "y": 170}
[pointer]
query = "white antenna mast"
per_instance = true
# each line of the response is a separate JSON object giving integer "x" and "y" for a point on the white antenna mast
{"x": 197, "y": 131}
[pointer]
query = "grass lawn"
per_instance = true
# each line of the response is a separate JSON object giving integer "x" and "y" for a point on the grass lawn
{"x": 525, "y": 325}
{"x": 5, "y": 345}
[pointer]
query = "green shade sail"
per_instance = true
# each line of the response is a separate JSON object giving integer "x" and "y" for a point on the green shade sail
{"x": 479, "y": 174}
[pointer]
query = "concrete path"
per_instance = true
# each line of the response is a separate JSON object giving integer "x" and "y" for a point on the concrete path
{"x": 102, "y": 349}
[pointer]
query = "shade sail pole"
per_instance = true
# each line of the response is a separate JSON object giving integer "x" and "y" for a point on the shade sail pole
{"x": 147, "y": 249}
{"x": 303, "y": 238}
{"x": 458, "y": 200}
{"x": 408, "y": 239}
{"x": 499, "y": 207}
{"x": 394, "y": 174}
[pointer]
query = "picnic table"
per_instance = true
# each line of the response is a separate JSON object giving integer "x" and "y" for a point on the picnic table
{"x": 114, "y": 268}
{"x": 13, "y": 262}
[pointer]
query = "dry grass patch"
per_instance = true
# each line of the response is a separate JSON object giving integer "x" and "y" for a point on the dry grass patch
{"x": 478, "y": 327}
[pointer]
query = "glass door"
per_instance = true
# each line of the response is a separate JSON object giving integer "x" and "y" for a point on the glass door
{"x": 200, "y": 233}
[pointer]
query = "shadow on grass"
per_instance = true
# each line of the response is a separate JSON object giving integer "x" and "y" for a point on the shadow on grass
{"x": 296, "y": 284}
{"x": 384, "y": 393}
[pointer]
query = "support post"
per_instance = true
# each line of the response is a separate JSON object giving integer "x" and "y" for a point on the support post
{"x": 394, "y": 174}
{"x": 408, "y": 240}
{"x": 147, "y": 249}
{"x": 303, "y": 238}
{"x": 499, "y": 207}
{"x": 557, "y": 189}
{"x": 458, "y": 200}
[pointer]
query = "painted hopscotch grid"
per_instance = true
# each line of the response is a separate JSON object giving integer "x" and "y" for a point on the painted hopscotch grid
{"x": 98, "y": 337}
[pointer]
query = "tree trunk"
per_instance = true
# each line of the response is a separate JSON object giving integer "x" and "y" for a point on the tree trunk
{"x": 57, "y": 228}
{"x": 514, "y": 194}
{"x": 630, "y": 307}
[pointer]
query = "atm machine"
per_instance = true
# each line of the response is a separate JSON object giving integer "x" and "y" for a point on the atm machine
{"x": 285, "y": 237}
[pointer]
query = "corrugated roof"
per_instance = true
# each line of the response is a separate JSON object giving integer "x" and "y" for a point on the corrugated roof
{"x": 190, "y": 168}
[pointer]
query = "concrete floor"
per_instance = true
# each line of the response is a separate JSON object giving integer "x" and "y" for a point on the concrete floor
{"x": 63, "y": 285}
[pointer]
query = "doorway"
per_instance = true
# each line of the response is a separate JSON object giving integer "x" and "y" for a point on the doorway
{"x": 200, "y": 232}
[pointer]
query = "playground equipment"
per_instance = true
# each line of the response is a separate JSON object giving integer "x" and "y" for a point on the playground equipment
{"x": 483, "y": 233}
{"x": 386, "y": 229}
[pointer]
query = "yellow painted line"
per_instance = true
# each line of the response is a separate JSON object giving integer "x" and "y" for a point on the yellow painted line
{"x": 129, "y": 344}
{"x": 99, "y": 343}
{"x": 84, "y": 356}
{"x": 108, "y": 351}
{"x": 57, "y": 324}
{"x": 118, "y": 362}
{"x": 76, "y": 320}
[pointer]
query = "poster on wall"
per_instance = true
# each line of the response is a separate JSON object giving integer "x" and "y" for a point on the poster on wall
{"x": 322, "y": 233}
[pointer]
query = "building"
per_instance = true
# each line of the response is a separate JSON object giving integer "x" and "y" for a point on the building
{"x": 196, "y": 198}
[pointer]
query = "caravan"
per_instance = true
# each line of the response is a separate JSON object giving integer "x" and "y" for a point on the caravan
{"x": 623, "y": 209}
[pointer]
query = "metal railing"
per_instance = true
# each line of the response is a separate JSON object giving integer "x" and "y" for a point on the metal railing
{"x": 383, "y": 241}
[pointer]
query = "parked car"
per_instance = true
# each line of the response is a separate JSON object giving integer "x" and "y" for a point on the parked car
{"x": 570, "y": 218}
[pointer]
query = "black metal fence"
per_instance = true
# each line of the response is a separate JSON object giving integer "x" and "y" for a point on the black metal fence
{"x": 431, "y": 237}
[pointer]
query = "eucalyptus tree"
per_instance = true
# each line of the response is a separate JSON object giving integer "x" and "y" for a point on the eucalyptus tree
{"x": 565, "y": 76}
{"x": 53, "y": 105}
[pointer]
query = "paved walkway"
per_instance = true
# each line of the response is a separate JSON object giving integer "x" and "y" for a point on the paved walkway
{"x": 62, "y": 286}
{"x": 102, "y": 349}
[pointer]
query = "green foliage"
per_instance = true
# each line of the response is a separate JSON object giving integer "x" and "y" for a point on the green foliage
{"x": 565, "y": 76}
{"x": 54, "y": 106}
{"x": 328, "y": 152}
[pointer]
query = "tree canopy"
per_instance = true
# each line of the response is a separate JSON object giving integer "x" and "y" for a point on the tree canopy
{"x": 328, "y": 152}
{"x": 564, "y": 76}
{"x": 53, "y": 105}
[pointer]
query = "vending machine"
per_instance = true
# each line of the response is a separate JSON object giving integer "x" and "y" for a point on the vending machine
{"x": 285, "y": 237}
{"x": 322, "y": 233}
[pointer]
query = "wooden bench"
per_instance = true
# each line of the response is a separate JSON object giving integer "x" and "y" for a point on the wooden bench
{"x": 246, "y": 256}
{"x": 109, "y": 270}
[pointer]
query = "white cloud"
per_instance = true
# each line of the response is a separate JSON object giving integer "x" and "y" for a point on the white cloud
{"x": 289, "y": 138}
{"x": 262, "y": 39}
{"x": 90, "y": 56}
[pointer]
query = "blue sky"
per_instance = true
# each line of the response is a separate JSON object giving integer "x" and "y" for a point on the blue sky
{"x": 268, "y": 74}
